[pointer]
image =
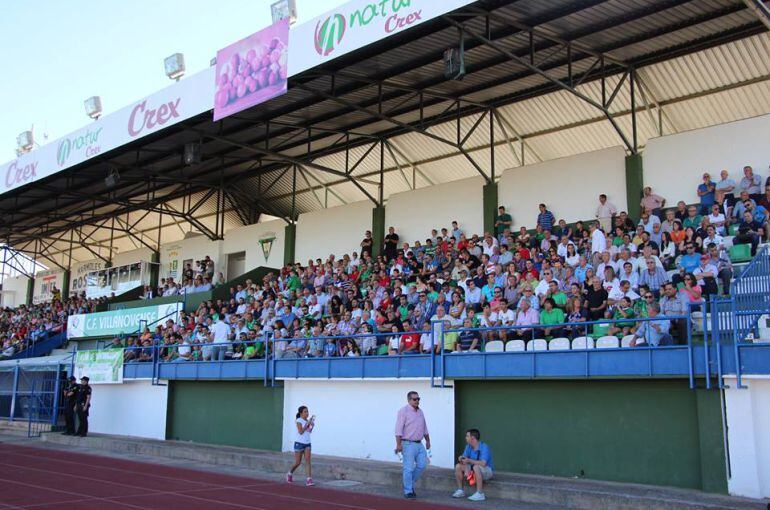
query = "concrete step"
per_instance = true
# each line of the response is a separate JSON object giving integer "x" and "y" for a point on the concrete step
{"x": 564, "y": 492}
{"x": 14, "y": 428}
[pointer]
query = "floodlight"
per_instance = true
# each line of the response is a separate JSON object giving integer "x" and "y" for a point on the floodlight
{"x": 112, "y": 179}
{"x": 93, "y": 107}
{"x": 283, "y": 9}
{"x": 174, "y": 66}
{"x": 25, "y": 141}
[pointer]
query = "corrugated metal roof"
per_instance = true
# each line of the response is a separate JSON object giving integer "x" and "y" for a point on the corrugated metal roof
{"x": 693, "y": 89}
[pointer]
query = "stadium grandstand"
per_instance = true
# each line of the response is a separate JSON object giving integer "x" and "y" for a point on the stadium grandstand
{"x": 549, "y": 218}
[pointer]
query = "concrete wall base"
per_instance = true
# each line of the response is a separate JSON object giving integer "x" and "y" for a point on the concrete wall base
{"x": 578, "y": 494}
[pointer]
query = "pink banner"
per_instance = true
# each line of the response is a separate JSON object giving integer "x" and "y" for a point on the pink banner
{"x": 252, "y": 70}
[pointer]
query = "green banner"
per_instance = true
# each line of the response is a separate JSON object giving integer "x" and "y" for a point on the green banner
{"x": 120, "y": 322}
{"x": 101, "y": 367}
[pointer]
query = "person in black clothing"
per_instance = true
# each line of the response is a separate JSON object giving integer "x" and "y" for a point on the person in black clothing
{"x": 366, "y": 245}
{"x": 748, "y": 232}
{"x": 596, "y": 300}
{"x": 391, "y": 244}
{"x": 70, "y": 396}
{"x": 82, "y": 405}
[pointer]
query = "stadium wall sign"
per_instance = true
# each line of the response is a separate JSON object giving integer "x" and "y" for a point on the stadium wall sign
{"x": 120, "y": 322}
{"x": 322, "y": 39}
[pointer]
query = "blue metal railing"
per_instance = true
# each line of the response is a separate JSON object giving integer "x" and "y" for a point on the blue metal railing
{"x": 386, "y": 344}
{"x": 749, "y": 301}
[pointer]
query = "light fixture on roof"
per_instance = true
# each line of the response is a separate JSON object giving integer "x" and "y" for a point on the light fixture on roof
{"x": 283, "y": 9}
{"x": 93, "y": 107}
{"x": 112, "y": 179}
{"x": 454, "y": 60}
{"x": 174, "y": 66}
{"x": 24, "y": 142}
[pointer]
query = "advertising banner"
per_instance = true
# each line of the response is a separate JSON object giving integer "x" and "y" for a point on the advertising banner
{"x": 120, "y": 322}
{"x": 252, "y": 70}
{"x": 101, "y": 367}
{"x": 45, "y": 282}
{"x": 322, "y": 39}
{"x": 357, "y": 23}
{"x": 80, "y": 271}
{"x": 165, "y": 108}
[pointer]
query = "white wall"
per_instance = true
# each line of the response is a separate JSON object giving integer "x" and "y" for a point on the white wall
{"x": 131, "y": 257}
{"x": 674, "y": 164}
{"x": 415, "y": 213}
{"x": 336, "y": 230}
{"x": 195, "y": 248}
{"x": 569, "y": 187}
{"x": 362, "y": 416}
{"x": 44, "y": 280}
{"x": 135, "y": 408}
{"x": 14, "y": 291}
{"x": 248, "y": 239}
{"x": 748, "y": 421}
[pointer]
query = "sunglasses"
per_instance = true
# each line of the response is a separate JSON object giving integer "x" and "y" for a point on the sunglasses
{"x": 649, "y": 296}
{"x": 416, "y": 399}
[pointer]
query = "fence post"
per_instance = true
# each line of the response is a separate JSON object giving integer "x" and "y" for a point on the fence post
{"x": 15, "y": 390}
{"x": 688, "y": 310}
{"x": 736, "y": 347}
{"x": 56, "y": 393}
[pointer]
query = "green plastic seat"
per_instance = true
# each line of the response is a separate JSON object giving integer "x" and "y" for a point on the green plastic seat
{"x": 600, "y": 330}
{"x": 733, "y": 229}
{"x": 740, "y": 252}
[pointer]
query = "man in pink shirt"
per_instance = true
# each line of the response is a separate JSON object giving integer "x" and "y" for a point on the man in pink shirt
{"x": 410, "y": 430}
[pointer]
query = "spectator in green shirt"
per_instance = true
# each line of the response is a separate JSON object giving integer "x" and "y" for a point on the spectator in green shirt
{"x": 551, "y": 319}
{"x": 557, "y": 295}
{"x": 502, "y": 221}
{"x": 693, "y": 219}
{"x": 624, "y": 310}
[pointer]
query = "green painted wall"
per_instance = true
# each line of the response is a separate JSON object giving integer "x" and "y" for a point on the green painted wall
{"x": 489, "y": 197}
{"x": 290, "y": 243}
{"x": 235, "y": 413}
{"x": 655, "y": 432}
{"x": 634, "y": 185}
{"x": 378, "y": 230}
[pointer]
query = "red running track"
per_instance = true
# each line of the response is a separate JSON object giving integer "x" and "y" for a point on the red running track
{"x": 42, "y": 479}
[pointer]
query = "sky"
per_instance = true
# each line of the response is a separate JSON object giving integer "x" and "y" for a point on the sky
{"x": 57, "y": 54}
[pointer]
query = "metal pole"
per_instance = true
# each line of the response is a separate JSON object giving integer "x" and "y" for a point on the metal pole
{"x": 15, "y": 389}
{"x": 56, "y": 391}
{"x": 381, "y": 190}
{"x": 491, "y": 146}
{"x": 633, "y": 110}
{"x": 294, "y": 193}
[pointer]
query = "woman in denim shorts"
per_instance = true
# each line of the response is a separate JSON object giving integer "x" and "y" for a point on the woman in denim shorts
{"x": 302, "y": 444}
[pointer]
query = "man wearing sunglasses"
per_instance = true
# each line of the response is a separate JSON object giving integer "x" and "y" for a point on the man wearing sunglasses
{"x": 410, "y": 431}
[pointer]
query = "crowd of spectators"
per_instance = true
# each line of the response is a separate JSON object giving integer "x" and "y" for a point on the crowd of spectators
{"x": 25, "y": 325}
{"x": 538, "y": 283}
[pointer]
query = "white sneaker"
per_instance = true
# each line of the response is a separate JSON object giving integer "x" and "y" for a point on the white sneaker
{"x": 459, "y": 493}
{"x": 477, "y": 496}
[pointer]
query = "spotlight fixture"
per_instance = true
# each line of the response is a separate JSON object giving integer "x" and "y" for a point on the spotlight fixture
{"x": 112, "y": 179}
{"x": 25, "y": 142}
{"x": 192, "y": 153}
{"x": 174, "y": 66}
{"x": 283, "y": 9}
{"x": 93, "y": 107}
